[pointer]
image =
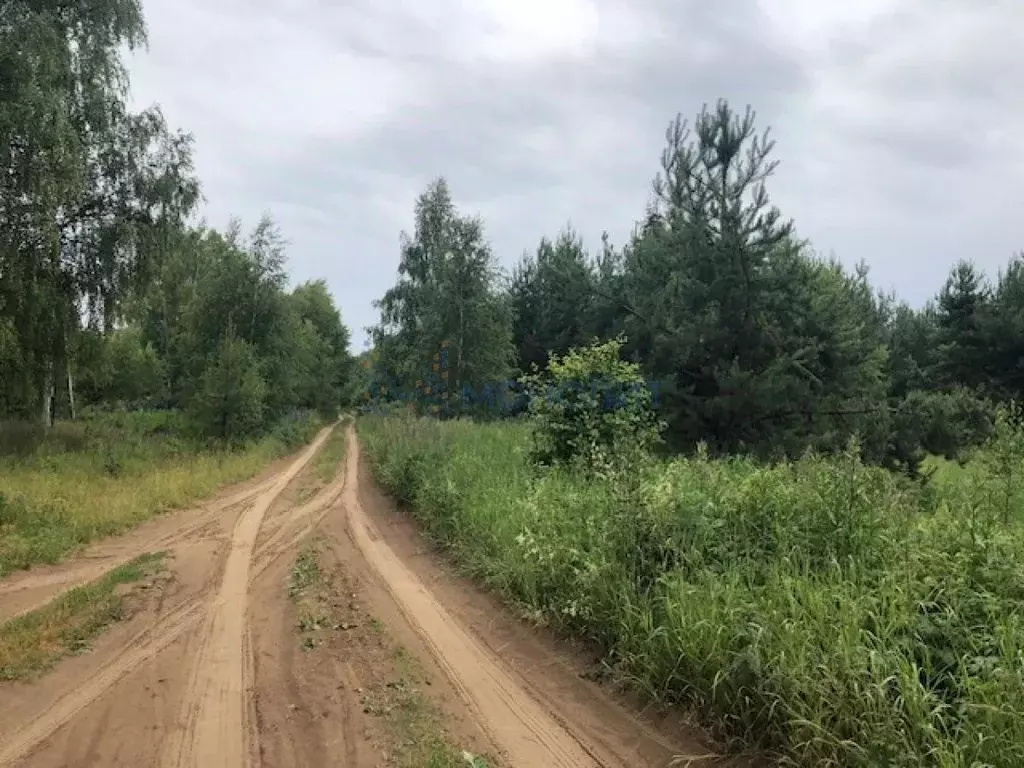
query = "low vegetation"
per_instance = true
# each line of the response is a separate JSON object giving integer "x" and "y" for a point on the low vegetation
{"x": 327, "y": 463}
{"x": 821, "y": 609}
{"x": 412, "y": 725}
{"x": 63, "y": 488}
{"x": 32, "y": 643}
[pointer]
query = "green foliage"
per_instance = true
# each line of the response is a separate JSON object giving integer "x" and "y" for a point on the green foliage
{"x": 446, "y": 298}
{"x": 763, "y": 348}
{"x": 107, "y": 296}
{"x": 592, "y": 409}
{"x": 827, "y": 611}
{"x": 962, "y": 304}
{"x": 87, "y": 191}
{"x": 125, "y": 369}
{"x": 232, "y": 393}
{"x": 297, "y": 429}
{"x": 936, "y": 423}
{"x": 552, "y": 300}
{"x": 323, "y": 352}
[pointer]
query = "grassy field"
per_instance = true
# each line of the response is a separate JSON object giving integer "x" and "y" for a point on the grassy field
{"x": 109, "y": 472}
{"x": 823, "y": 611}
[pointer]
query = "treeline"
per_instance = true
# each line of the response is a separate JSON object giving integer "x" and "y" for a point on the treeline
{"x": 757, "y": 344}
{"x": 108, "y": 295}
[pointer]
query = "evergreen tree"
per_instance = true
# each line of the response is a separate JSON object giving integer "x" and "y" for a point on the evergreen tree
{"x": 553, "y": 298}
{"x": 912, "y": 339}
{"x": 1002, "y": 329}
{"x": 759, "y": 345}
{"x": 961, "y": 315}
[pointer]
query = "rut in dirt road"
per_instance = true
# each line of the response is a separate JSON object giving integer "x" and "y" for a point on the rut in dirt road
{"x": 143, "y": 647}
{"x": 210, "y": 671}
{"x": 29, "y": 590}
{"x": 214, "y": 710}
{"x": 528, "y": 733}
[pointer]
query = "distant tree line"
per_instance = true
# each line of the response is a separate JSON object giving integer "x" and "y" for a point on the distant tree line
{"x": 108, "y": 295}
{"x": 758, "y": 345}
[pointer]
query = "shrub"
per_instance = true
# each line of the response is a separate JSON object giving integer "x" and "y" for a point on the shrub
{"x": 592, "y": 409}
{"x": 297, "y": 428}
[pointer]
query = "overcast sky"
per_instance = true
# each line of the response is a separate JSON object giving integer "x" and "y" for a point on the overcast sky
{"x": 900, "y": 123}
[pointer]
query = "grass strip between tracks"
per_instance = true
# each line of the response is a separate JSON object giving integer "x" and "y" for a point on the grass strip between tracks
{"x": 411, "y": 723}
{"x": 32, "y": 643}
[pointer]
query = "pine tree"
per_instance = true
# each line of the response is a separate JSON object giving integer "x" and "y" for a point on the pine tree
{"x": 963, "y": 304}
{"x": 553, "y": 297}
{"x": 759, "y": 345}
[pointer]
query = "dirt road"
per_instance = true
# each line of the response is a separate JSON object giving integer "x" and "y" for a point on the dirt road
{"x": 311, "y": 632}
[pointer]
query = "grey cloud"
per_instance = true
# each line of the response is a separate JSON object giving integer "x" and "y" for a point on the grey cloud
{"x": 590, "y": 128}
{"x": 334, "y": 116}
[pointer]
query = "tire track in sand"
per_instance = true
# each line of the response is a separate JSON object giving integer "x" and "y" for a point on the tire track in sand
{"x": 526, "y": 731}
{"x": 214, "y": 713}
{"x": 288, "y": 532}
{"x": 92, "y": 566}
{"x": 141, "y": 648}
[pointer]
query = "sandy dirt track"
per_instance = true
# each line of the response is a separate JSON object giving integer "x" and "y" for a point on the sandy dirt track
{"x": 209, "y": 671}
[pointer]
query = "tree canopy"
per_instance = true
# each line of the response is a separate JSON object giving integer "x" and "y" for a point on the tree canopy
{"x": 751, "y": 342}
{"x": 106, "y": 287}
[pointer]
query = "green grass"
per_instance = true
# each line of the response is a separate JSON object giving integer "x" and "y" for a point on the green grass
{"x": 306, "y": 573}
{"x": 309, "y": 589}
{"x": 108, "y": 473}
{"x": 413, "y": 726}
{"x": 328, "y": 460}
{"x": 825, "y": 612}
{"x": 32, "y": 643}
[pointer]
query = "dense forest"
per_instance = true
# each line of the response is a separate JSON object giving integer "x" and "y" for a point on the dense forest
{"x": 110, "y": 295}
{"x": 753, "y": 342}
{"x": 682, "y": 455}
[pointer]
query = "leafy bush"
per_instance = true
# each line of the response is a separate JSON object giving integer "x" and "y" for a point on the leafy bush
{"x": 297, "y": 428}
{"x": 593, "y": 409}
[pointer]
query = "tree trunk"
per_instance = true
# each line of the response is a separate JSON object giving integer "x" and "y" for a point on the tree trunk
{"x": 47, "y": 413}
{"x": 71, "y": 392}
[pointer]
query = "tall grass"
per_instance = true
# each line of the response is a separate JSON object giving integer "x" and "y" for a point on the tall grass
{"x": 825, "y": 611}
{"x": 110, "y": 472}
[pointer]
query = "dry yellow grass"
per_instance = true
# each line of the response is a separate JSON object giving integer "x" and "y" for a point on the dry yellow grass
{"x": 52, "y": 503}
